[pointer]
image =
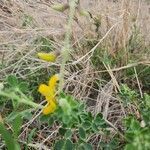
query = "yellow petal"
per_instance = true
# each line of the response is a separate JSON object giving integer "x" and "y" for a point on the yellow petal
{"x": 50, "y": 108}
{"x": 51, "y": 98}
{"x": 44, "y": 90}
{"x": 53, "y": 81}
{"x": 50, "y": 57}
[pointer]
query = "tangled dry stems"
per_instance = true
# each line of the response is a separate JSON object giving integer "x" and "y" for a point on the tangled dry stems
{"x": 18, "y": 51}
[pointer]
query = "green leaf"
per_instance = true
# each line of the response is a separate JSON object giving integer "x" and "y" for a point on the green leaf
{"x": 73, "y": 103}
{"x": 85, "y": 146}
{"x": 147, "y": 100}
{"x": 130, "y": 147}
{"x": 88, "y": 146}
{"x": 62, "y": 131}
{"x": 99, "y": 121}
{"x": 68, "y": 134}
{"x": 1, "y": 86}
{"x": 44, "y": 118}
{"x": 25, "y": 114}
{"x": 98, "y": 118}
{"x": 80, "y": 147}
{"x": 65, "y": 119}
{"x": 31, "y": 135}
{"x": 82, "y": 133}
{"x": 59, "y": 145}
{"x": 68, "y": 145}
{"x": 86, "y": 125}
{"x": 23, "y": 86}
{"x": 47, "y": 119}
{"x": 132, "y": 123}
{"x": 94, "y": 128}
{"x": 63, "y": 103}
{"x": 51, "y": 121}
{"x": 84, "y": 116}
{"x": 82, "y": 107}
{"x": 15, "y": 104}
{"x": 12, "y": 81}
{"x": 135, "y": 125}
{"x": 16, "y": 125}
{"x": 9, "y": 140}
{"x": 90, "y": 116}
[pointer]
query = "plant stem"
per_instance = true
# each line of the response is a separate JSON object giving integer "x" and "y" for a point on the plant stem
{"x": 66, "y": 49}
{"x": 21, "y": 100}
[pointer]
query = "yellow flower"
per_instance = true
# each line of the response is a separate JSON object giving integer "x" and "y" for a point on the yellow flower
{"x": 44, "y": 90}
{"x": 50, "y": 57}
{"x": 49, "y": 108}
{"x": 53, "y": 81}
{"x": 49, "y": 91}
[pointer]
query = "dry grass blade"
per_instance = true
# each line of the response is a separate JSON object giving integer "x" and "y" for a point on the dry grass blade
{"x": 109, "y": 45}
{"x": 103, "y": 99}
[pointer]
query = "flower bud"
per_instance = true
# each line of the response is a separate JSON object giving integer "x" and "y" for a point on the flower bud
{"x": 60, "y": 7}
{"x": 50, "y": 57}
{"x": 83, "y": 12}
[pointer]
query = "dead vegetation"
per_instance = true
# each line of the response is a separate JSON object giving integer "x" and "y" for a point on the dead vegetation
{"x": 111, "y": 26}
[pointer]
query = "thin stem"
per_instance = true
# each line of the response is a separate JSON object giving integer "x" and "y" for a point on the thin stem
{"x": 21, "y": 100}
{"x": 66, "y": 49}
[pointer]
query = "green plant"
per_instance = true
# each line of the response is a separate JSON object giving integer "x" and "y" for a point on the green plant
{"x": 27, "y": 20}
{"x": 76, "y": 124}
{"x": 61, "y": 121}
{"x": 137, "y": 134}
{"x": 15, "y": 91}
{"x": 136, "y": 130}
{"x": 127, "y": 95}
{"x": 11, "y": 138}
{"x": 46, "y": 43}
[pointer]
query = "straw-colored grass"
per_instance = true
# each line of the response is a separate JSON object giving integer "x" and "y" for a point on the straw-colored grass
{"x": 123, "y": 33}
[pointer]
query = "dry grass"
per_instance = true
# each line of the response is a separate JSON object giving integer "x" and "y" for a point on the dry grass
{"x": 18, "y": 50}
